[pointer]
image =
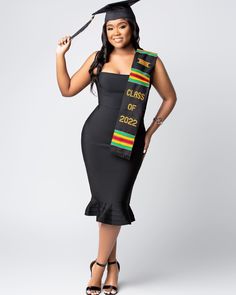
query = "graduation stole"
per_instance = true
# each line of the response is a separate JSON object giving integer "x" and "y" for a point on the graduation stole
{"x": 133, "y": 104}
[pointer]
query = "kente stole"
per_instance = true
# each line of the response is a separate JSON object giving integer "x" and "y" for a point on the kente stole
{"x": 133, "y": 104}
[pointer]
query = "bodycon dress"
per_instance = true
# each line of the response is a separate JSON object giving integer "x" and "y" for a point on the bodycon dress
{"x": 110, "y": 177}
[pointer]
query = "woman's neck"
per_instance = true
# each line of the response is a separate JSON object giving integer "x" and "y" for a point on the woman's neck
{"x": 124, "y": 51}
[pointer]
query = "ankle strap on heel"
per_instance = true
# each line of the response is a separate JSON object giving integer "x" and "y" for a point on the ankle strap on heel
{"x": 101, "y": 264}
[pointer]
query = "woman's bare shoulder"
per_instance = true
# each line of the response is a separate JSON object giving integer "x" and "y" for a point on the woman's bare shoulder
{"x": 159, "y": 65}
{"x": 92, "y": 56}
{"x": 91, "y": 59}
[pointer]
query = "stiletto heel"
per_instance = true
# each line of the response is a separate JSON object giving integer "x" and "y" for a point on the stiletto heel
{"x": 113, "y": 289}
{"x": 94, "y": 288}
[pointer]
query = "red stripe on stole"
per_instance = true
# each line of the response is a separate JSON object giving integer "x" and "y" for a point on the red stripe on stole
{"x": 140, "y": 77}
{"x": 122, "y": 139}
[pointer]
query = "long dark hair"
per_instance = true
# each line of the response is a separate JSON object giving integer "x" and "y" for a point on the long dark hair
{"x": 102, "y": 56}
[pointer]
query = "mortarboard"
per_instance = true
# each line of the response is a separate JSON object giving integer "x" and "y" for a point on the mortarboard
{"x": 113, "y": 11}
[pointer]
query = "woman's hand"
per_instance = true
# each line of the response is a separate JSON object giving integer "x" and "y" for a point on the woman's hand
{"x": 146, "y": 143}
{"x": 63, "y": 45}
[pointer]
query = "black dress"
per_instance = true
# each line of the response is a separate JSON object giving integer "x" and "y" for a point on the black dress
{"x": 110, "y": 177}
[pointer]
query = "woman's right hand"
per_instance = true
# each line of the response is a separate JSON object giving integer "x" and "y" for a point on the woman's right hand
{"x": 63, "y": 45}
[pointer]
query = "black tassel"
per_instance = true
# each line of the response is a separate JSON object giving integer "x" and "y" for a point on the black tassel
{"x": 83, "y": 28}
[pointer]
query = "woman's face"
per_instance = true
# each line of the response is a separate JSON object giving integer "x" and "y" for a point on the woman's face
{"x": 119, "y": 32}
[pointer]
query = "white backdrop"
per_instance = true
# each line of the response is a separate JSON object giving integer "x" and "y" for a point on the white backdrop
{"x": 183, "y": 239}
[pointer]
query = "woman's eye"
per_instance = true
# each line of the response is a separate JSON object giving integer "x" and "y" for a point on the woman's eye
{"x": 122, "y": 27}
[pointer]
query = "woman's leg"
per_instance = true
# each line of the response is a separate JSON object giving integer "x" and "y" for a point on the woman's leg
{"x": 112, "y": 269}
{"x": 107, "y": 241}
{"x": 112, "y": 256}
{"x": 107, "y": 238}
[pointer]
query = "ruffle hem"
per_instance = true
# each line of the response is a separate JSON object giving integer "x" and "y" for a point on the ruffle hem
{"x": 110, "y": 213}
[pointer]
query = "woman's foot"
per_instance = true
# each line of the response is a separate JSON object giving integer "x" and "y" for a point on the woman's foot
{"x": 96, "y": 278}
{"x": 112, "y": 277}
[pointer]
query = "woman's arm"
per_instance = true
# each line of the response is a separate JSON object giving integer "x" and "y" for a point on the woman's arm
{"x": 71, "y": 86}
{"x": 164, "y": 87}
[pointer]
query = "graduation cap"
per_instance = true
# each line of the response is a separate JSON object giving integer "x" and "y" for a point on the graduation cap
{"x": 113, "y": 11}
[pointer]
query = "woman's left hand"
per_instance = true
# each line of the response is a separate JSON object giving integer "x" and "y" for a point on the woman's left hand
{"x": 146, "y": 143}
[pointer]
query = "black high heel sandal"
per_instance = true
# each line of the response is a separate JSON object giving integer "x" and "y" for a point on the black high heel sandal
{"x": 94, "y": 288}
{"x": 113, "y": 289}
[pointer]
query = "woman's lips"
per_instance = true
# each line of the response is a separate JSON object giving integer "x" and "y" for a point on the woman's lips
{"x": 117, "y": 40}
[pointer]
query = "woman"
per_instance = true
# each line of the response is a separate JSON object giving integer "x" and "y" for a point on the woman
{"x": 111, "y": 178}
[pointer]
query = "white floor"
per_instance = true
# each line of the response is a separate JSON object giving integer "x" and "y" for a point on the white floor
{"x": 48, "y": 265}
{"x": 39, "y": 278}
